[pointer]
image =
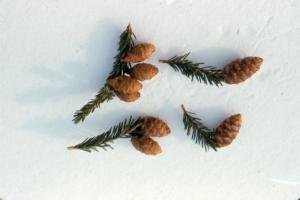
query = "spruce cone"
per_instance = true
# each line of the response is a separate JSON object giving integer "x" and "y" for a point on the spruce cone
{"x": 241, "y": 69}
{"x": 139, "y": 53}
{"x": 146, "y": 145}
{"x": 154, "y": 127}
{"x": 228, "y": 130}
{"x": 124, "y": 84}
{"x": 129, "y": 97}
{"x": 143, "y": 71}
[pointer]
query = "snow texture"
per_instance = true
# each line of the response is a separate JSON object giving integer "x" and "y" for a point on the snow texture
{"x": 56, "y": 54}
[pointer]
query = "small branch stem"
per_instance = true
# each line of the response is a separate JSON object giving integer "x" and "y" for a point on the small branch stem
{"x": 72, "y": 148}
{"x": 162, "y": 61}
{"x": 183, "y": 108}
{"x": 131, "y": 129}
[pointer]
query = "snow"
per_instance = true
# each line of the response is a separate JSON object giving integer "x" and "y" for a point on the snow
{"x": 55, "y": 55}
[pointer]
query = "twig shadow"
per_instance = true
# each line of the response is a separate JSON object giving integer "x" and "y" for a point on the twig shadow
{"x": 215, "y": 56}
{"x": 211, "y": 116}
{"x": 72, "y": 79}
{"x": 170, "y": 52}
{"x": 78, "y": 77}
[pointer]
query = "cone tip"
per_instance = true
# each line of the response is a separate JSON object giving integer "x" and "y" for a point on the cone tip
{"x": 237, "y": 116}
{"x": 258, "y": 59}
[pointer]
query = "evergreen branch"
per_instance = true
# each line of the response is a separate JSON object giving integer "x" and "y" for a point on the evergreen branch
{"x": 119, "y": 68}
{"x": 200, "y": 133}
{"x": 104, "y": 94}
{"x": 208, "y": 75}
{"x": 125, "y": 44}
{"x": 121, "y": 130}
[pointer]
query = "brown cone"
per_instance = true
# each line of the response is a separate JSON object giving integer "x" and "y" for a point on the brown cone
{"x": 139, "y": 53}
{"x": 241, "y": 69}
{"x": 154, "y": 127}
{"x": 125, "y": 84}
{"x": 228, "y": 130}
{"x": 143, "y": 71}
{"x": 146, "y": 145}
{"x": 129, "y": 97}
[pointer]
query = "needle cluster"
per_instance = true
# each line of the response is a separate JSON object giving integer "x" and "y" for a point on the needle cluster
{"x": 209, "y": 74}
{"x": 200, "y": 133}
{"x": 126, "y": 43}
{"x": 106, "y": 93}
{"x": 124, "y": 129}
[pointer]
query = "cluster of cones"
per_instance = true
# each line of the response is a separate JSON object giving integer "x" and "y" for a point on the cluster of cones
{"x": 226, "y": 132}
{"x": 151, "y": 127}
{"x": 127, "y": 87}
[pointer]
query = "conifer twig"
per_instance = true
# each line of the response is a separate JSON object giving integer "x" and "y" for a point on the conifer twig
{"x": 200, "y": 133}
{"x": 104, "y": 94}
{"x": 122, "y": 130}
{"x": 119, "y": 68}
{"x": 208, "y": 75}
{"x": 126, "y": 43}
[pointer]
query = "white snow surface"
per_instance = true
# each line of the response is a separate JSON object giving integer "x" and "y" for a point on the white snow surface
{"x": 56, "y": 54}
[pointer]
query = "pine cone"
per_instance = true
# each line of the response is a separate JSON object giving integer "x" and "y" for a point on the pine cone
{"x": 124, "y": 84}
{"x": 154, "y": 127}
{"x": 129, "y": 97}
{"x": 228, "y": 130}
{"x": 139, "y": 53}
{"x": 241, "y": 69}
{"x": 146, "y": 145}
{"x": 143, "y": 71}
